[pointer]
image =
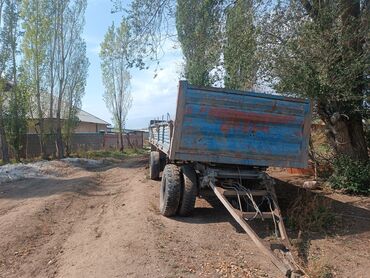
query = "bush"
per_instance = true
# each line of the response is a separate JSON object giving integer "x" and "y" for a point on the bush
{"x": 352, "y": 176}
{"x": 310, "y": 212}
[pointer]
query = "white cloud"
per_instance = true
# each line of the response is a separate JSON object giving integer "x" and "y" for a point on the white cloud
{"x": 155, "y": 97}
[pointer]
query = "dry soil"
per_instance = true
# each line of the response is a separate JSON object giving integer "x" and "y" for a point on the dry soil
{"x": 104, "y": 222}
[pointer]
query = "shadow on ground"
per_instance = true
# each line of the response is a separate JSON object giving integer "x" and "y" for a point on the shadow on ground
{"x": 349, "y": 219}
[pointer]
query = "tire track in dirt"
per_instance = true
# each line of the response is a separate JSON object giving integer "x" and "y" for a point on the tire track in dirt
{"x": 117, "y": 229}
{"x": 36, "y": 222}
{"x": 104, "y": 222}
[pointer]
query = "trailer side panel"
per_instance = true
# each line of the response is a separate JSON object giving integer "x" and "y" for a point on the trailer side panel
{"x": 242, "y": 128}
{"x": 160, "y": 133}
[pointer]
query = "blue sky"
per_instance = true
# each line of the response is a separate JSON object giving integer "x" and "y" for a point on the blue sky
{"x": 152, "y": 97}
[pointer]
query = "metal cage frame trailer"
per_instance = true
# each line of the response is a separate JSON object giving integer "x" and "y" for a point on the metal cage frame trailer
{"x": 225, "y": 140}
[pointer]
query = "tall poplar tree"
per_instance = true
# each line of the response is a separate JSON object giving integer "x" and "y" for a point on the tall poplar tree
{"x": 314, "y": 49}
{"x": 240, "y": 49}
{"x": 75, "y": 90}
{"x": 68, "y": 23}
{"x": 198, "y": 30}
{"x": 36, "y": 26}
{"x": 115, "y": 55}
{"x": 3, "y": 88}
{"x": 16, "y": 117}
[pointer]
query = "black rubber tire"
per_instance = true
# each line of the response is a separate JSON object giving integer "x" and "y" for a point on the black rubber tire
{"x": 163, "y": 160}
{"x": 154, "y": 165}
{"x": 170, "y": 194}
{"x": 189, "y": 190}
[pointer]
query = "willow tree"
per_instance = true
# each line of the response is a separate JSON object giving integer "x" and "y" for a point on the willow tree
{"x": 320, "y": 50}
{"x": 115, "y": 56}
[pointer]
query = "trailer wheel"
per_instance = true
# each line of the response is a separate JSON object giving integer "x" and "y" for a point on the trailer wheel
{"x": 154, "y": 165}
{"x": 163, "y": 160}
{"x": 170, "y": 190}
{"x": 189, "y": 190}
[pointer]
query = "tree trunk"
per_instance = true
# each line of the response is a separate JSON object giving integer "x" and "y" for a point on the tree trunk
{"x": 121, "y": 140}
{"x": 59, "y": 137}
{"x": 358, "y": 139}
{"x": 4, "y": 144}
{"x": 59, "y": 140}
{"x": 345, "y": 133}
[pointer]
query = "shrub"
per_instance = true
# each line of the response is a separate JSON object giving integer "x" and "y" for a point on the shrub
{"x": 352, "y": 176}
{"x": 310, "y": 212}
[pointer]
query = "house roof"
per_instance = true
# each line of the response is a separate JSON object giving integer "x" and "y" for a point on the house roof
{"x": 84, "y": 116}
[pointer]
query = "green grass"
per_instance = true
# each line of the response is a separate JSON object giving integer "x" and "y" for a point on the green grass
{"x": 23, "y": 160}
{"x": 111, "y": 154}
{"x": 115, "y": 154}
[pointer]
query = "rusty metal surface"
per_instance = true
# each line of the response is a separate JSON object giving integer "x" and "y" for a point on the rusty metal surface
{"x": 242, "y": 128}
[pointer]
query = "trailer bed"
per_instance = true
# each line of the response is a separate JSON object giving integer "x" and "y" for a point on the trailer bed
{"x": 215, "y": 125}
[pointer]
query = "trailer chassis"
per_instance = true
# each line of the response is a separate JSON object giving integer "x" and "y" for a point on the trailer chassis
{"x": 234, "y": 186}
{"x": 279, "y": 253}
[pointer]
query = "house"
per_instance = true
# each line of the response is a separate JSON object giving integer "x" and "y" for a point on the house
{"x": 88, "y": 123}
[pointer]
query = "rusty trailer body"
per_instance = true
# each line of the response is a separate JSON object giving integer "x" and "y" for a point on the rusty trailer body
{"x": 234, "y": 127}
{"x": 224, "y": 140}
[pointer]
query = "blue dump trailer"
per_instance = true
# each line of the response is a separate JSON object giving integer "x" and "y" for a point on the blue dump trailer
{"x": 225, "y": 140}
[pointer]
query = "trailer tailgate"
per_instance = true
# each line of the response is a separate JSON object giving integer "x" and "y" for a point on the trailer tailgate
{"x": 243, "y": 128}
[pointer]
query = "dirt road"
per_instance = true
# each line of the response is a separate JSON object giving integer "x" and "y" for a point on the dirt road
{"x": 104, "y": 222}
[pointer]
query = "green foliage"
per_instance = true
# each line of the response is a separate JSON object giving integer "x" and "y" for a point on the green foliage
{"x": 312, "y": 49}
{"x": 16, "y": 118}
{"x": 318, "y": 55}
{"x": 9, "y": 38}
{"x": 68, "y": 63}
{"x": 198, "y": 30}
{"x": 53, "y": 61}
{"x": 36, "y": 27}
{"x": 112, "y": 154}
{"x": 352, "y": 176}
{"x": 320, "y": 50}
{"x": 240, "y": 49}
{"x": 14, "y": 99}
{"x": 151, "y": 24}
{"x": 114, "y": 55}
{"x": 74, "y": 91}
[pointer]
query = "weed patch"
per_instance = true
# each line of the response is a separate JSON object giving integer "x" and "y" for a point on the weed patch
{"x": 352, "y": 176}
{"x": 111, "y": 154}
{"x": 310, "y": 213}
